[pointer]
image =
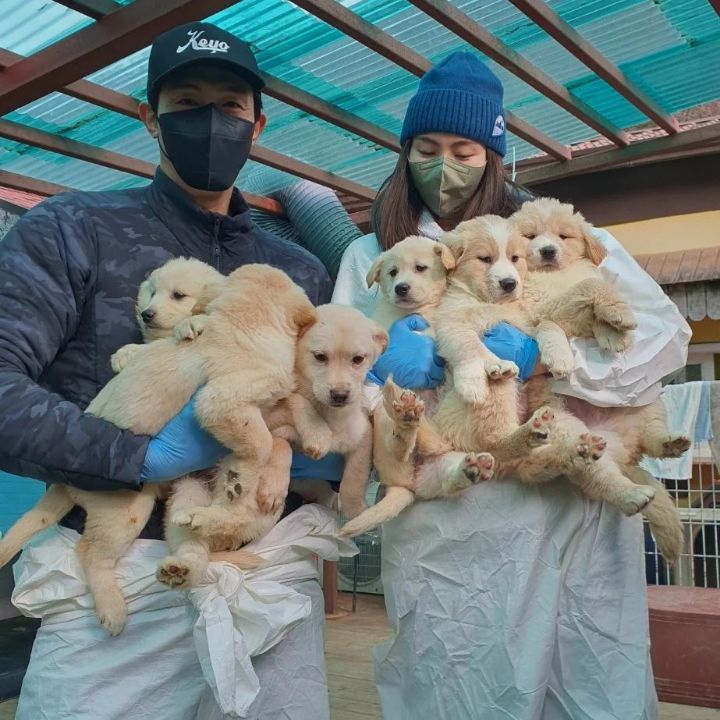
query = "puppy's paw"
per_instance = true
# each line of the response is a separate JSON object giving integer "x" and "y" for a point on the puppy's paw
{"x": 559, "y": 363}
{"x": 612, "y": 340}
{"x": 317, "y": 442}
{"x": 498, "y": 369}
{"x": 112, "y": 613}
{"x": 540, "y": 426}
{"x": 408, "y": 409}
{"x": 471, "y": 382}
{"x": 478, "y": 467}
{"x": 232, "y": 485}
{"x": 617, "y": 315}
{"x": 190, "y": 328}
{"x": 269, "y": 499}
{"x": 120, "y": 359}
{"x": 591, "y": 447}
{"x": 674, "y": 447}
{"x": 174, "y": 573}
{"x": 635, "y": 499}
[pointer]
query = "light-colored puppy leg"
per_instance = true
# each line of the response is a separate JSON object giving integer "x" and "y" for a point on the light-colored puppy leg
{"x": 120, "y": 358}
{"x": 315, "y": 435}
{"x": 555, "y": 351}
{"x": 275, "y": 478}
{"x": 190, "y": 328}
{"x": 186, "y": 565}
{"x": 395, "y": 501}
{"x": 532, "y": 434}
{"x": 51, "y": 508}
{"x": 111, "y": 526}
{"x": 453, "y": 472}
{"x": 355, "y": 476}
{"x": 655, "y": 439}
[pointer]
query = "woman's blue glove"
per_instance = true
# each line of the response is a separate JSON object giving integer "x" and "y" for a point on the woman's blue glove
{"x": 509, "y": 343}
{"x": 328, "y": 468}
{"x": 181, "y": 447}
{"x": 410, "y": 357}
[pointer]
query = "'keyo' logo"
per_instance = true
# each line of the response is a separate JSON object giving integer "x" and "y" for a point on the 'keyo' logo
{"x": 197, "y": 42}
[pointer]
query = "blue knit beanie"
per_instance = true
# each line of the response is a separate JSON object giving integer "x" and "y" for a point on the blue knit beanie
{"x": 459, "y": 96}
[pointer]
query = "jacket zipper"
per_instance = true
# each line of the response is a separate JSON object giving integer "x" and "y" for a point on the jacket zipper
{"x": 216, "y": 246}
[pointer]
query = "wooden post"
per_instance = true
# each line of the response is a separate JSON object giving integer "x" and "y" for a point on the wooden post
{"x": 330, "y": 586}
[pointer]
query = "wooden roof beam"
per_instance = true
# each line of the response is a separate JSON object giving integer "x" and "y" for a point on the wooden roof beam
{"x": 96, "y": 9}
{"x": 98, "y": 156}
{"x": 96, "y": 46}
{"x": 546, "y": 18}
{"x": 31, "y": 185}
{"x": 384, "y": 44}
{"x": 701, "y": 137}
{"x": 474, "y": 34}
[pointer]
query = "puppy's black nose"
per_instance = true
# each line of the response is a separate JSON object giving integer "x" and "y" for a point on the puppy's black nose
{"x": 147, "y": 315}
{"x": 339, "y": 397}
{"x": 402, "y": 289}
{"x": 548, "y": 252}
{"x": 508, "y": 284}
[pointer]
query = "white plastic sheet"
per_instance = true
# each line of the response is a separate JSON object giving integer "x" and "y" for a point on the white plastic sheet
{"x": 515, "y": 603}
{"x": 175, "y": 660}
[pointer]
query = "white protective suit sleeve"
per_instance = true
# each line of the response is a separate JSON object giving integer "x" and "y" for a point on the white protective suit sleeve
{"x": 181, "y": 657}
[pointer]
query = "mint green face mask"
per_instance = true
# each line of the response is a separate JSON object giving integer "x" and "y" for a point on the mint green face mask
{"x": 444, "y": 184}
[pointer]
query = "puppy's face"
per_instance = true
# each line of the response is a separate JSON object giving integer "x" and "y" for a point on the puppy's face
{"x": 557, "y": 235}
{"x": 169, "y": 295}
{"x": 335, "y": 354}
{"x": 490, "y": 258}
{"x": 413, "y": 274}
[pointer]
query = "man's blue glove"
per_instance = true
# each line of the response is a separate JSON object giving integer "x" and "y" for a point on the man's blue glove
{"x": 328, "y": 468}
{"x": 509, "y": 343}
{"x": 181, "y": 447}
{"x": 410, "y": 357}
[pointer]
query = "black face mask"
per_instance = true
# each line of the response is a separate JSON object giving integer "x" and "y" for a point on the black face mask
{"x": 207, "y": 147}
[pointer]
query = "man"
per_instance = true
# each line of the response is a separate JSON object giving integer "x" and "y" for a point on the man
{"x": 69, "y": 274}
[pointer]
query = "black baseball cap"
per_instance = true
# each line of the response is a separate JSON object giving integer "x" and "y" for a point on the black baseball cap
{"x": 196, "y": 43}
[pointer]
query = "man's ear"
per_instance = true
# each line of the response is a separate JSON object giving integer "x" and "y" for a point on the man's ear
{"x": 259, "y": 126}
{"x": 149, "y": 118}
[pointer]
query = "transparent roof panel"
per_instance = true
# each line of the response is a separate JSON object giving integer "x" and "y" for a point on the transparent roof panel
{"x": 669, "y": 49}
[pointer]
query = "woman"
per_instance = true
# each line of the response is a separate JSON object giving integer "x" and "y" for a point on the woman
{"x": 508, "y": 601}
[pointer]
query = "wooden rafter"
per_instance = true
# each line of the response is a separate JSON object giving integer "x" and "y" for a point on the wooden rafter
{"x": 716, "y": 5}
{"x": 701, "y": 137}
{"x": 541, "y": 14}
{"x": 96, "y": 9}
{"x": 354, "y": 26}
{"x": 28, "y": 184}
{"x": 100, "y": 156}
{"x": 474, "y": 34}
{"x": 96, "y": 46}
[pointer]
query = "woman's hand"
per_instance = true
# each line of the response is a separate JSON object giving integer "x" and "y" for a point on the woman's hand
{"x": 410, "y": 357}
{"x": 509, "y": 343}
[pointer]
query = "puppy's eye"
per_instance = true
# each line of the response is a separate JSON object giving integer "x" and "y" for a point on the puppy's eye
{"x": 564, "y": 237}
{"x": 320, "y": 357}
{"x": 485, "y": 258}
{"x": 393, "y": 272}
{"x": 178, "y": 295}
{"x": 421, "y": 268}
{"x": 530, "y": 236}
{"x": 515, "y": 258}
{"x": 358, "y": 359}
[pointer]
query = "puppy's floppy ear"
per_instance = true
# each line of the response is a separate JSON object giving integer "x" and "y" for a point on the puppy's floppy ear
{"x": 455, "y": 242}
{"x": 373, "y": 275}
{"x": 446, "y": 256}
{"x": 304, "y": 315}
{"x": 380, "y": 338}
{"x": 209, "y": 292}
{"x": 594, "y": 249}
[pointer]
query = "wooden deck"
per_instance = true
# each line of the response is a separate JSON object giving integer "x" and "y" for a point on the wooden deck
{"x": 350, "y": 639}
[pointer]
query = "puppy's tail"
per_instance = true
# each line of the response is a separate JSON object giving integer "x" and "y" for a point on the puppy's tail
{"x": 394, "y": 502}
{"x": 51, "y": 508}
{"x": 239, "y": 558}
{"x": 662, "y": 516}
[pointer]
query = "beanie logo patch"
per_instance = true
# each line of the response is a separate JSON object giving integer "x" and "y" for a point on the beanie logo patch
{"x": 499, "y": 127}
{"x": 197, "y": 42}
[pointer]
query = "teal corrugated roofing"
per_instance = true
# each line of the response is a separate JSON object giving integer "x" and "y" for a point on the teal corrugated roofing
{"x": 668, "y": 48}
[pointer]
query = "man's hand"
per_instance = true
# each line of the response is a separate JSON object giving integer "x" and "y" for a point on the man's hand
{"x": 181, "y": 447}
{"x": 410, "y": 357}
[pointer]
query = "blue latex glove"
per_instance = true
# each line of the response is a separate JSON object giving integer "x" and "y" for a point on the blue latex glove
{"x": 509, "y": 343}
{"x": 329, "y": 468}
{"x": 181, "y": 447}
{"x": 410, "y": 357}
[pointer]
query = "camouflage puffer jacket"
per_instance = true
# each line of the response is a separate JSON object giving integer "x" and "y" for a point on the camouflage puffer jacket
{"x": 69, "y": 274}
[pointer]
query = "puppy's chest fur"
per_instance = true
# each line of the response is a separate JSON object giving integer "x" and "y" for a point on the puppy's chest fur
{"x": 541, "y": 285}
{"x": 347, "y": 424}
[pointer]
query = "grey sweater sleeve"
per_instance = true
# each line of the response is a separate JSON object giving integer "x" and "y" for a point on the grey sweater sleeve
{"x": 47, "y": 266}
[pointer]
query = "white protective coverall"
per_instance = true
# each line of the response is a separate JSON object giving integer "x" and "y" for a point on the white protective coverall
{"x": 182, "y": 656}
{"x": 512, "y": 602}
